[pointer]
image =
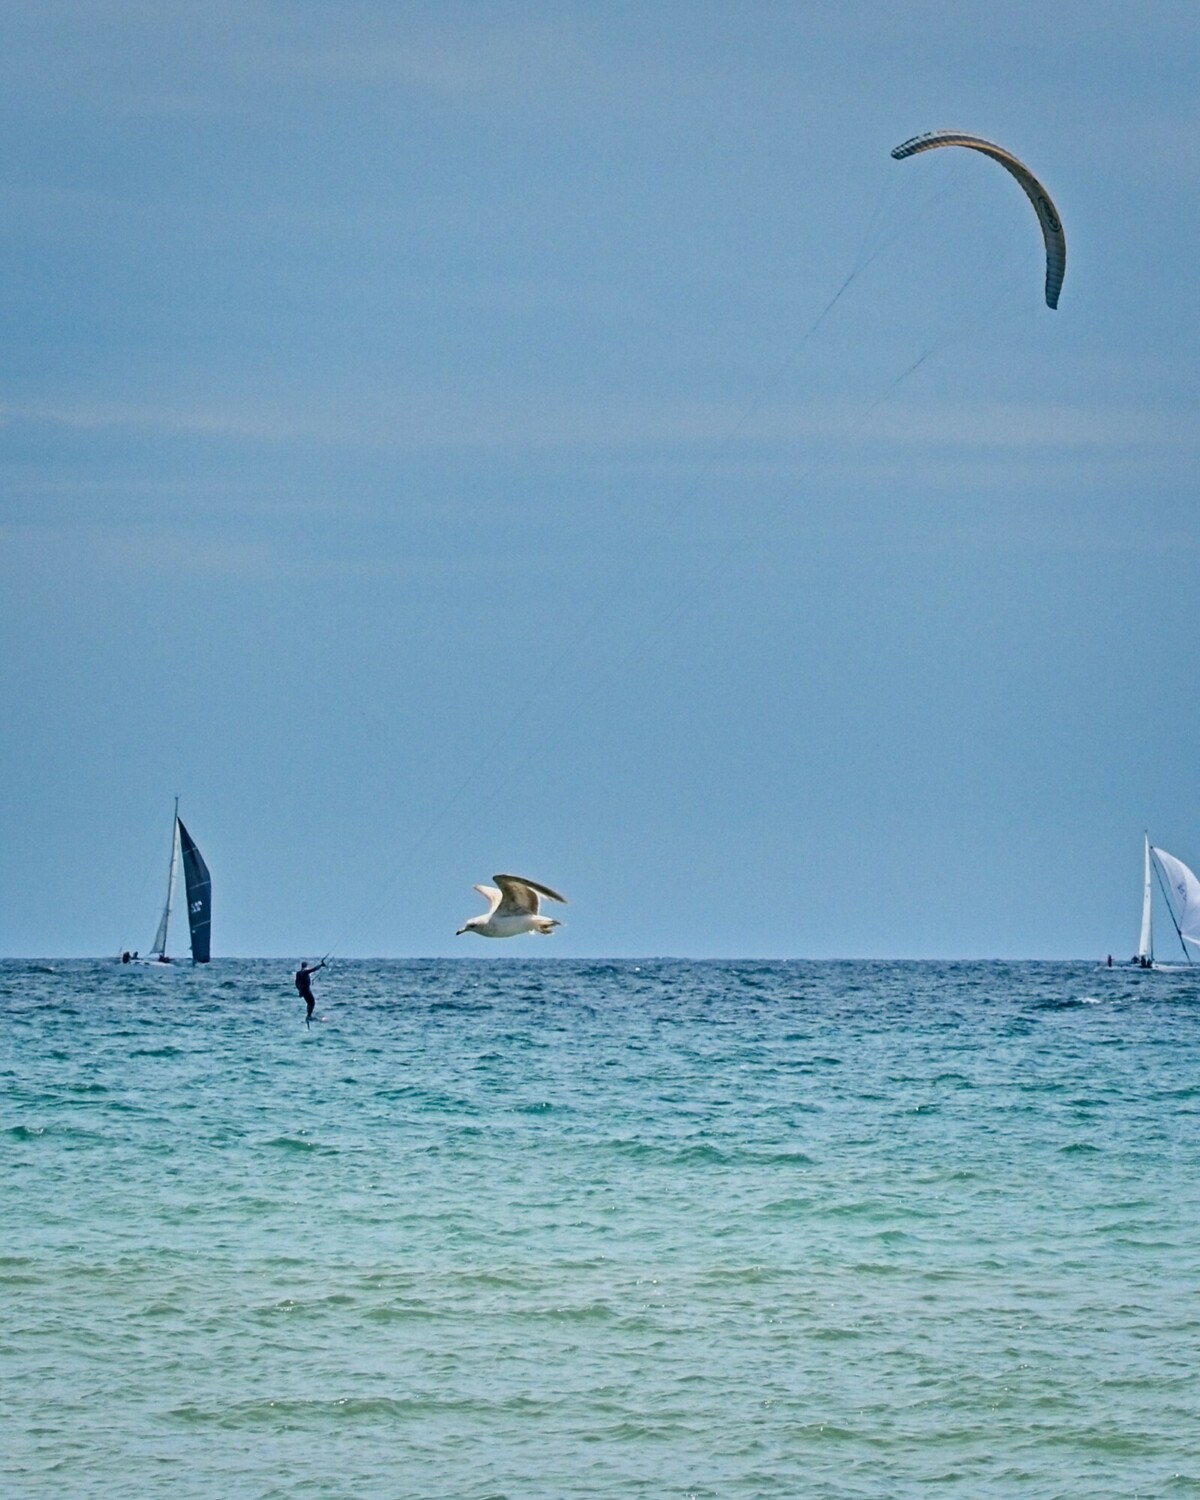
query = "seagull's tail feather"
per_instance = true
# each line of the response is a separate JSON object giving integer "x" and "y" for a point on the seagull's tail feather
{"x": 546, "y": 925}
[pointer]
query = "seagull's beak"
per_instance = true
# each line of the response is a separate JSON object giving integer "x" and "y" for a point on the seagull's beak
{"x": 460, "y": 932}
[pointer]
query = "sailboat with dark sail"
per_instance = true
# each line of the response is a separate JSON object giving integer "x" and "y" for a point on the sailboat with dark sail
{"x": 197, "y": 884}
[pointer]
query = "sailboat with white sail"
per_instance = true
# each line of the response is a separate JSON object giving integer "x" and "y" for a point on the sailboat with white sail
{"x": 197, "y": 885}
{"x": 1181, "y": 897}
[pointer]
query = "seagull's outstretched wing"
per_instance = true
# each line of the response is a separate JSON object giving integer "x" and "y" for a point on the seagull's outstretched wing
{"x": 521, "y": 895}
{"x": 490, "y": 894}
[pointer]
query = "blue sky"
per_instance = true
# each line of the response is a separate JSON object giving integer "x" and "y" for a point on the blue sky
{"x": 422, "y": 449}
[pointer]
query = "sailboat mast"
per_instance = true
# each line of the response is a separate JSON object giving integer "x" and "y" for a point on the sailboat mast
{"x": 1146, "y": 941}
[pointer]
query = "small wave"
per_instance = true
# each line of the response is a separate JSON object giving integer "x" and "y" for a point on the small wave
{"x": 753, "y": 1275}
{"x": 892, "y": 1236}
{"x": 707, "y": 1154}
{"x": 584, "y": 1312}
{"x": 18, "y": 1271}
{"x": 297, "y": 1143}
{"x": 289, "y": 1412}
{"x": 786, "y": 1208}
{"x": 399, "y": 1312}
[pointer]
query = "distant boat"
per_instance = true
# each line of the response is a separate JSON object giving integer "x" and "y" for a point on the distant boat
{"x": 197, "y": 885}
{"x": 1181, "y": 896}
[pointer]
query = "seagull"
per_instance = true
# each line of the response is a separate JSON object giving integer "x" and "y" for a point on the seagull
{"x": 513, "y": 908}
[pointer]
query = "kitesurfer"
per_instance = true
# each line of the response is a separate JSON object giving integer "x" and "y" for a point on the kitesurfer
{"x": 304, "y": 976}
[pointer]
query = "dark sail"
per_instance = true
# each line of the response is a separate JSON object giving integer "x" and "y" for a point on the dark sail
{"x": 198, "y": 884}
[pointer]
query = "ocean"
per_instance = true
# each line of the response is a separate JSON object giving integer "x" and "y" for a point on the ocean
{"x": 535, "y": 1228}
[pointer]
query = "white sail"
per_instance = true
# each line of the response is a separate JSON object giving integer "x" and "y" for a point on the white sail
{"x": 159, "y": 949}
{"x": 1185, "y": 895}
{"x": 1146, "y": 941}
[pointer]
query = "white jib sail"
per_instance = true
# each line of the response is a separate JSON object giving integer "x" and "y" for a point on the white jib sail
{"x": 1146, "y": 941}
{"x": 160, "y": 937}
{"x": 1185, "y": 895}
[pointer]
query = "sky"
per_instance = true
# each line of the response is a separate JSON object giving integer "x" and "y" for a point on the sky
{"x": 557, "y": 438}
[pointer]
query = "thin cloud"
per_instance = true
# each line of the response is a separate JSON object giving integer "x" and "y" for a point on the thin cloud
{"x": 402, "y": 421}
{"x": 1035, "y": 425}
{"x": 98, "y": 416}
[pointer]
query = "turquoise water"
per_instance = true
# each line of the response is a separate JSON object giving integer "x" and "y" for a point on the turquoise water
{"x": 544, "y": 1229}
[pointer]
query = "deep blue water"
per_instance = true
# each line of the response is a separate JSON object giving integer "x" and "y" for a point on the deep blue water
{"x": 541, "y": 1229}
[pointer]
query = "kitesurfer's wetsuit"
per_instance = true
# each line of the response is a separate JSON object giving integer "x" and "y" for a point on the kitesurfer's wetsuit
{"x": 304, "y": 986}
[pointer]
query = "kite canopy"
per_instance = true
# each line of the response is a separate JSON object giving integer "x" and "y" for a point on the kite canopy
{"x": 1043, "y": 206}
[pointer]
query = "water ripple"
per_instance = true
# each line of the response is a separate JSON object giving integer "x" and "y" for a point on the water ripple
{"x": 545, "y": 1229}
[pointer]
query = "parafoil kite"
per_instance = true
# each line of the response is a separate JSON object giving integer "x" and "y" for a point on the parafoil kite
{"x": 1043, "y": 206}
